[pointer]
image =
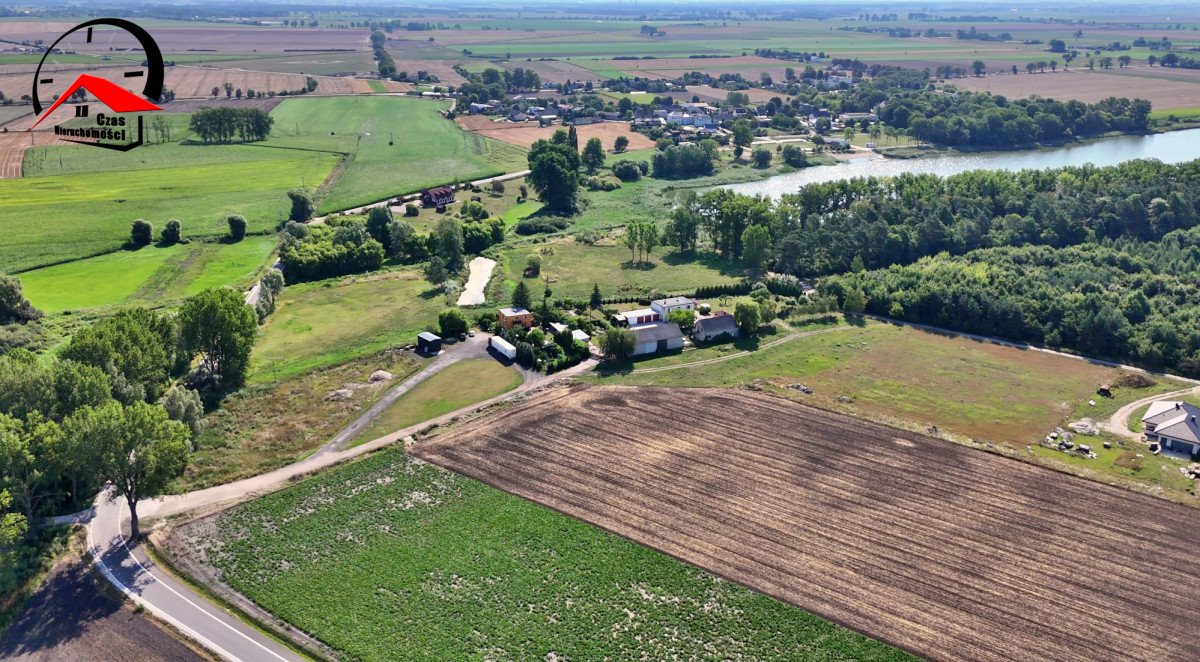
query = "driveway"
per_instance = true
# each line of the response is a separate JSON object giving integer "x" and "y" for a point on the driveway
{"x": 1118, "y": 423}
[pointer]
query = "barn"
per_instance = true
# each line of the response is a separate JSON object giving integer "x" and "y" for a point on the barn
{"x": 656, "y": 337}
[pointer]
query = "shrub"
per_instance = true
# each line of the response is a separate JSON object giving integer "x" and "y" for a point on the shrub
{"x": 237, "y": 227}
{"x": 142, "y": 233}
{"x": 533, "y": 265}
{"x": 173, "y": 232}
{"x": 761, "y": 157}
{"x": 452, "y": 323}
{"x": 498, "y": 186}
{"x": 411, "y": 210}
{"x": 626, "y": 171}
{"x": 541, "y": 225}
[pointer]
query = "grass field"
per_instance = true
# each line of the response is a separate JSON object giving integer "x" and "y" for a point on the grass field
{"x": 326, "y": 323}
{"x": 387, "y": 558}
{"x": 426, "y": 149}
{"x": 149, "y": 275}
{"x": 573, "y": 268}
{"x": 460, "y": 385}
{"x": 265, "y": 426}
{"x": 50, "y": 219}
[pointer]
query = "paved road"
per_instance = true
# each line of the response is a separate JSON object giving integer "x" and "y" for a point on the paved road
{"x": 411, "y": 197}
{"x": 136, "y": 576}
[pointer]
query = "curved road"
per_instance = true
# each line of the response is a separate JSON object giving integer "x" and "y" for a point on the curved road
{"x": 142, "y": 581}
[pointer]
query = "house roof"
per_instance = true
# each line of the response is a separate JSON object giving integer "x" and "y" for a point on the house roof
{"x": 640, "y": 312}
{"x": 513, "y": 312}
{"x": 656, "y": 332}
{"x": 558, "y": 328}
{"x": 1174, "y": 419}
{"x": 579, "y": 335}
{"x": 717, "y": 324}
{"x": 428, "y": 337}
{"x": 673, "y": 301}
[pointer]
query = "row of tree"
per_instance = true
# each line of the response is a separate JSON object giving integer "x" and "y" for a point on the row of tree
{"x": 222, "y": 125}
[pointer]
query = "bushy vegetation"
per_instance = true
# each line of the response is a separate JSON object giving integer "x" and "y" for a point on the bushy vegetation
{"x": 222, "y": 125}
{"x": 339, "y": 247}
{"x": 681, "y": 162}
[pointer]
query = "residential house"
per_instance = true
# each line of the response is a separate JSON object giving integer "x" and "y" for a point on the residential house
{"x": 609, "y": 115}
{"x": 510, "y": 317}
{"x": 517, "y": 116}
{"x": 481, "y": 108}
{"x": 656, "y": 337}
{"x": 1173, "y": 425}
{"x": 437, "y": 197}
{"x": 711, "y": 328}
{"x": 664, "y": 307}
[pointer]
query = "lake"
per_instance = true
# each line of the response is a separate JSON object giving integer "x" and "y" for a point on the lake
{"x": 1170, "y": 147}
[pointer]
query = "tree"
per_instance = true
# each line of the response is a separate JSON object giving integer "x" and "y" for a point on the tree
{"x": 228, "y": 89}
{"x": 237, "y": 226}
{"x": 12, "y": 527}
{"x": 379, "y": 220}
{"x": 533, "y": 264}
{"x": 794, "y": 155}
{"x": 683, "y": 229}
{"x": 766, "y": 310}
{"x": 183, "y": 404}
{"x": 554, "y": 174}
{"x": 978, "y": 67}
{"x": 621, "y": 144}
{"x": 26, "y": 469}
{"x": 648, "y": 238}
{"x": 140, "y": 450}
{"x": 593, "y": 154}
{"x": 761, "y": 157}
{"x": 219, "y": 326}
{"x": 596, "y": 301}
{"x": 855, "y": 302}
{"x": 142, "y": 233}
{"x": 742, "y": 133}
{"x": 746, "y": 315}
{"x": 448, "y": 234}
{"x": 848, "y": 134}
{"x": 172, "y": 232}
{"x": 573, "y": 138}
{"x": 452, "y": 323}
{"x": 435, "y": 270}
{"x": 683, "y": 317}
{"x": 400, "y": 236}
{"x": 1031, "y": 66}
{"x": 14, "y": 307}
{"x": 520, "y": 297}
{"x": 302, "y": 205}
{"x": 756, "y": 246}
{"x": 136, "y": 348}
{"x": 618, "y": 343}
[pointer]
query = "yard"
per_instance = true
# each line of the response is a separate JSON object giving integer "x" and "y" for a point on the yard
{"x": 326, "y": 323}
{"x": 460, "y": 385}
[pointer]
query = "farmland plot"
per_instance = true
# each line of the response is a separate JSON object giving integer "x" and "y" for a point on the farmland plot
{"x": 942, "y": 550}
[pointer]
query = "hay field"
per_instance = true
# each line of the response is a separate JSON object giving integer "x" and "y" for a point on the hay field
{"x": 1091, "y": 86}
{"x": 525, "y": 134}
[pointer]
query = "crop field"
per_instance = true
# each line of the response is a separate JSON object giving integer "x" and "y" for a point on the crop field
{"x": 40, "y": 223}
{"x": 524, "y": 135}
{"x": 326, "y": 323}
{"x": 389, "y": 558}
{"x": 149, "y": 275}
{"x": 460, "y": 385}
{"x": 573, "y": 268}
{"x": 1092, "y": 86}
{"x": 426, "y": 150}
{"x": 945, "y": 551}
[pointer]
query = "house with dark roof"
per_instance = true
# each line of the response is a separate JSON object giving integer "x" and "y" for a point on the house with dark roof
{"x": 1174, "y": 426}
{"x": 655, "y": 338}
{"x": 437, "y": 197}
{"x": 711, "y": 328}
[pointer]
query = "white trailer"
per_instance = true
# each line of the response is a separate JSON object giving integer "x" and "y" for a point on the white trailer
{"x": 505, "y": 348}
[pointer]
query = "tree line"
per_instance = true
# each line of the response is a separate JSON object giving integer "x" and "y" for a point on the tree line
{"x": 222, "y": 125}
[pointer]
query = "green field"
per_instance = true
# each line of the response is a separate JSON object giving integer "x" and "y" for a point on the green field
{"x": 460, "y": 385}
{"x": 149, "y": 275}
{"x": 327, "y": 323}
{"x": 427, "y": 149}
{"x": 390, "y": 559}
{"x": 573, "y": 269}
{"x": 88, "y": 210}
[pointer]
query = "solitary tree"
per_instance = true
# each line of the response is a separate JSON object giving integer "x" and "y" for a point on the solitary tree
{"x": 593, "y": 154}
{"x": 520, "y": 297}
{"x": 237, "y": 226}
{"x": 302, "y": 205}
{"x": 140, "y": 450}
{"x": 761, "y": 157}
{"x": 452, "y": 323}
{"x": 596, "y": 301}
{"x": 219, "y": 326}
{"x": 378, "y": 221}
{"x": 620, "y": 144}
{"x": 618, "y": 343}
{"x": 978, "y": 67}
{"x": 554, "y": 174}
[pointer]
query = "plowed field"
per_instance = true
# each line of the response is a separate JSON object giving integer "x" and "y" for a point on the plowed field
{"x": 949, "y": 552}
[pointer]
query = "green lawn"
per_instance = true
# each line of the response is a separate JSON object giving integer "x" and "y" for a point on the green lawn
{"x": 427, "y": 149}
{"x": 388, "y": 559}
{"x": 459, "y": 385}
{"x": 148, "y": 275}
{"x": 573, "y": 268}
{"x": 330, "y": 322}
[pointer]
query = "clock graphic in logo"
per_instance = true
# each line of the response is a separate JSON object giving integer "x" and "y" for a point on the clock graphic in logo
{"x": 132, "y": 90}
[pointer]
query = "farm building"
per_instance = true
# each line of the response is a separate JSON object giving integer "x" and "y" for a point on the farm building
{"x": 714, "y": 327}
{"x": 1173, "y": 425}
{"x": 664, "y": 307}
{"x": 639, "y": 316}
{"x": 580, "y": 336}
{"x": 428, "y": 343}
{"x": 656, "y": 337}
{"x": 510, "y": 317}
{"x": 503, "y": 347}
{"x": 437, "y": 197}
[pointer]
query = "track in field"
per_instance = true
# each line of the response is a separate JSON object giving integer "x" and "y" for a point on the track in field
{"x": 946, "y": 551}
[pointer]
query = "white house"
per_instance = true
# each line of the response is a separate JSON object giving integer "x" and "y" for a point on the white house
{"x": 656, "y": 337}
{"x": 1173, "y": 425}
{"x": 664, "y": 307}
{"x": 640, "y": 316}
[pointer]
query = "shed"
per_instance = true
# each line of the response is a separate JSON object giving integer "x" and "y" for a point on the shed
{"x": 580, "y": 336}
{"x": 428, "y": 343}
